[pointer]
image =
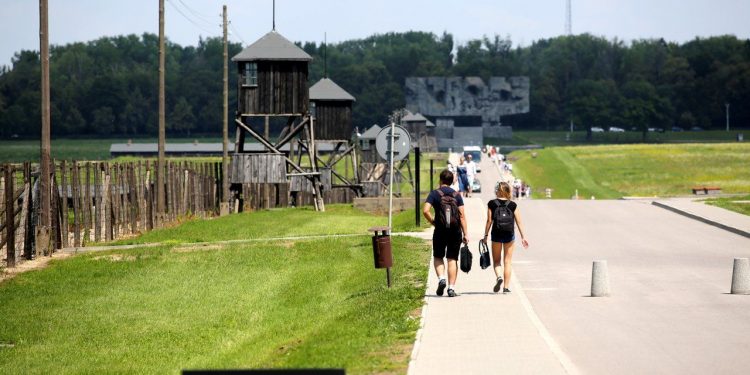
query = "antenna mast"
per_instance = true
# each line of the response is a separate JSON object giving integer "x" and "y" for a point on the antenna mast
{"x": 325, "y": 55}
{"x": 273, "y": 25}
{"x": 568, "y": 18}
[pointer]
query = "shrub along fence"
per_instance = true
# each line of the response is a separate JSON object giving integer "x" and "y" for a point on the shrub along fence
{"x": 104, "y": 201}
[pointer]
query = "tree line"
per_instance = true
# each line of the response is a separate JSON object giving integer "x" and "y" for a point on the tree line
{"x": 109, "y": 86}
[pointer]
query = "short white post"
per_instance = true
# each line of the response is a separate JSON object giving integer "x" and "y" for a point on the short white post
{"x": 599, "y": 279}
{"x": 741, "y": 276}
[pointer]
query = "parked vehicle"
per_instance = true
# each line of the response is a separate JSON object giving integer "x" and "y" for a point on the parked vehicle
{"x": 696, "y": 129}
{"x": 615, "y": 129}
{"x": 596, "y": 129}
{"x": 476, "y": 187}
{"x": 677, "y": 129}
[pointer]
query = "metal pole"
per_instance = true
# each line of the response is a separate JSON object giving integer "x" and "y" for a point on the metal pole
{"x": 160, "y": 193}
{"x": 727, "y": 105}
{"x": 417, "y": 189}
{"x": 390, "y": 184}
{"x": 431, "y": 174}
{"x": 225, "y": 126}
{"x": 45, "y": 187}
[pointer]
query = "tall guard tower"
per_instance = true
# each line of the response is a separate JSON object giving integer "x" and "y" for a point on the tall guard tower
{"x": 272, "y": 84}
{"x": 331, "y": 107}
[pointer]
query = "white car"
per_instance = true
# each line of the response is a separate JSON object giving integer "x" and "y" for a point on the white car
{"x": 596, "y": 129}
{"x": 615, "y": 129}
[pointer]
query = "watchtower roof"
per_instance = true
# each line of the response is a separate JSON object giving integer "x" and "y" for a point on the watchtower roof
{"x": 326, "y": 89}
{"x": 272, "y": 46}
{"x": 371, "y": 133}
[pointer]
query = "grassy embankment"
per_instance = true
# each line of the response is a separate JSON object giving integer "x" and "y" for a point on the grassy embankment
{"x": 561, "y": 138}
{"x": 269, "y": 304}
{"x": 635, "y": 170}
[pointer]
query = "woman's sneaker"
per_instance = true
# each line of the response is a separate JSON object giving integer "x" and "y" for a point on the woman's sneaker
{"x": 441, "y": 287}
{"x": 506, "y": 291}
{"x": 498, "y": 283}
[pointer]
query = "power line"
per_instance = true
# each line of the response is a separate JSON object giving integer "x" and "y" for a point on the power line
{"x": 189, "y": 19}
{"x": 201, "y": 17}
{"x": 235, "y": 32}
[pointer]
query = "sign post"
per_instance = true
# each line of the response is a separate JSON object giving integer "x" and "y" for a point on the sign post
{"x": 392, "y": 143}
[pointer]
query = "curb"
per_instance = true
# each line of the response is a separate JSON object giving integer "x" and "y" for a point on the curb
{"x": 702, "y": 219}
{"x": 420, "y": 330}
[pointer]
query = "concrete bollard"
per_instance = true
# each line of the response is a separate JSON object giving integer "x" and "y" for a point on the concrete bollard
{"x": 599, "y": 279}
{"x": 741, "y": 276}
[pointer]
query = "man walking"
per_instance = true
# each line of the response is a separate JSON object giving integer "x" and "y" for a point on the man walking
{"x": 471, "y": 172}
{"x": 450, "y": 230}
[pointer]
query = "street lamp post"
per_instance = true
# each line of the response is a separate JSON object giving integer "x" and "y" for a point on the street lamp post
{"x": 727, "y": 105}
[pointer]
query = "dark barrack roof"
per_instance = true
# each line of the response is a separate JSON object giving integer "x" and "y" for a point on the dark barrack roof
{"x": 326, "y": 89}
{"x": 272, "y": 46}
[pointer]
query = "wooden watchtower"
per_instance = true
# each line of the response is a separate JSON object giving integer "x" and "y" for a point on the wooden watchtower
{"x": 273, "y": 84}
{"x": 331, "y": 107}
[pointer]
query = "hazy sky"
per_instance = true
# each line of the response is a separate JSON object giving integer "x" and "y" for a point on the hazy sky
{"x": 302, "y": 20}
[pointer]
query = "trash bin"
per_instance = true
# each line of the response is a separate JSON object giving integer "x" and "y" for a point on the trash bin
{"x": 381, "y": 248}
{"x": 740, "y": 137}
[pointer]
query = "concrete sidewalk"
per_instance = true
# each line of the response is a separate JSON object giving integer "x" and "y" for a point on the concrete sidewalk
{"x": 481, "y": 332}
{"x": 719, "y": 217}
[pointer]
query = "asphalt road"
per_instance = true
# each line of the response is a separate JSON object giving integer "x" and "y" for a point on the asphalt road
{"x": 669, "y": 312}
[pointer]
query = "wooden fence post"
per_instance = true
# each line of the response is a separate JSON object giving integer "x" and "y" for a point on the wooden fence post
{"x": 10, "y": 217}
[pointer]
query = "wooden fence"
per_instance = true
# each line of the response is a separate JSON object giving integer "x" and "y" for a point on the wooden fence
{"x": 104, "y": 201}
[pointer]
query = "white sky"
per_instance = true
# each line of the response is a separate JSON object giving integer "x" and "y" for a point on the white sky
{"x": 306, "y": 20}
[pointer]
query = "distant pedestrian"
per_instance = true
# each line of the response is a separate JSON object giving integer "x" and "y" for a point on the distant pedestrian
{"x": 463, "y": 180}
{"x": 471, "y": 172}
{"x": 502, "y": 218}
{"x": 450, "y": 230}
{"x": 454, "y": 170}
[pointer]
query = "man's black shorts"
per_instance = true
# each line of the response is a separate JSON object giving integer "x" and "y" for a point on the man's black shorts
{"x": 446, "y": 244}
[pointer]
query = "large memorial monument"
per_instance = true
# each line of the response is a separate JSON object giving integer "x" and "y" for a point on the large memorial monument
{"x": 467, "y": 109}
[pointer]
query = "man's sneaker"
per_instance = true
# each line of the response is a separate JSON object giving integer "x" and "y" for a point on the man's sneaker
{"x": 506, "y": 290}
{"x": 451, "y": 293}
{"x": 441, "y": 287}
{"x": 498, "y": 284}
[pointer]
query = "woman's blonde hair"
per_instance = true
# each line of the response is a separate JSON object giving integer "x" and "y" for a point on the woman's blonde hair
{"x": 502, "y": 190}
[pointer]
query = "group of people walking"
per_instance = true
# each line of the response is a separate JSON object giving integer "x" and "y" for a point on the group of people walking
{"x": 451, "y": 231}
{"x": 463, "y": 175}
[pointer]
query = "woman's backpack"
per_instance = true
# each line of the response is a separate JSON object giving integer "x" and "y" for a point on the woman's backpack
{"x": 503, "y": 217}
{"x": 447, "y": 215}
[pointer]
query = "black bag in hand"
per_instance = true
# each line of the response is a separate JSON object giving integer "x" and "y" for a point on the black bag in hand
{"x": 484, "y": 255}
{"x": 466, "y": 258}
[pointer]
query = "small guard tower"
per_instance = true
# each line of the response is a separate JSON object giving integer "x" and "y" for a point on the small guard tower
{"x": 331, "y": 107}
{"x": 273, "y": 84}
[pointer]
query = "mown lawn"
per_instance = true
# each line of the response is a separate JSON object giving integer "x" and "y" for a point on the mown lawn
{"x": 18, "y": 151}
{"x": 270, "y": 304}
{"x": 303, "y": 221}
{"x": 635, "y": 170}
{"x": 563, "y": 138}
{"x": 739, "y": 204}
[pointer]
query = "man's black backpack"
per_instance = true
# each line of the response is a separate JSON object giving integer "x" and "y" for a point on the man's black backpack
{"x": 503, "y": 217}
{"x": 447, "y": 215}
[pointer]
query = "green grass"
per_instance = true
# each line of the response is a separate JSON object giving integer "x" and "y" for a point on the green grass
{"x": 304, "y": 221}
{"x": 308, "y": 303}
{"x": 737, "y": 204}
{"x": 18, "y": 151}
{"x": 561, "y": 138}
{"x": 635, "y": 170}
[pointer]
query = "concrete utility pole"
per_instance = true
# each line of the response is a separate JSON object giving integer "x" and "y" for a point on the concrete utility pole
{"x": 225, "y": 127}
{"x": 162, "y": 121}
{"x": 45, "y": 188}
{"x": 727, "y": 105}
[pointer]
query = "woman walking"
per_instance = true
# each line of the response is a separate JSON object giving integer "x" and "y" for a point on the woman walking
{"x": 502, "y": 217}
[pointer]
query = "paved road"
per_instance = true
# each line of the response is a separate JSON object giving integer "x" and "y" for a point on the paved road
{"x": 669, "y": 311}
